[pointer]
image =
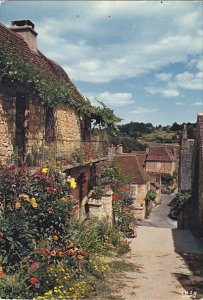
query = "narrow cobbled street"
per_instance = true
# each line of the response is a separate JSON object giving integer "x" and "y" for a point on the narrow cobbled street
{"x": 158, "y": 258}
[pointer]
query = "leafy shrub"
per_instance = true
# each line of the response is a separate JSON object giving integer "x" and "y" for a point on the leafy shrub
{"x": 33, "y": 207}
{"x": 179, "y": 202}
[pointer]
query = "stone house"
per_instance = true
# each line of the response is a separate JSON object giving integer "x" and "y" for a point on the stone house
{"x": 34, "y": 132}
{"x": 138, "y": 181}
{"x": 160, "y": 160}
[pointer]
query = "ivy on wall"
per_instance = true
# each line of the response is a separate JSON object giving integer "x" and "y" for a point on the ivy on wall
{"x": 53, "y": 94}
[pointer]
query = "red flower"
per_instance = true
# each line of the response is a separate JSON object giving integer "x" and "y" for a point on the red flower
{"x": 70, "y": 252}
{"x": 34, "y": 265}
{"x": 33, "y": 280}
{"x": 53, "y": 253}
{"x": 42, "y": 250}
{"x": 49, "y": 181}
{"x": 58, "y": 189}
{"x": 115, "y": 197}
{"x": 8, "y": 180}
{"x": 49, "y": 190}
{"x": 40, "y": 175}
{"x": 84, "y": 252}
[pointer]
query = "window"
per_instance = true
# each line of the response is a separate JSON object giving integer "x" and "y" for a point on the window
{"x": 49, "y": 125}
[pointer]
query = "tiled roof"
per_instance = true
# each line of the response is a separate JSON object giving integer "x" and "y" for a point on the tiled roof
{"x": 160, "y": 153}
{"x": 15, "y": 45}
{"x": 141, "y": 155}
{"x": 131, "y": 169}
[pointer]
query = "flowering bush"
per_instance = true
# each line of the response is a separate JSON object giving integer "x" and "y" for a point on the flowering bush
{"x": 34, "y": 207}
{"x": 44, "y": 253}
{"x": 84, "y": 154}
{"x": 109, "y": 176}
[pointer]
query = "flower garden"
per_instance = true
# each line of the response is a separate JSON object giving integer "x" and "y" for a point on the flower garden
{"x": 45, "y": 251}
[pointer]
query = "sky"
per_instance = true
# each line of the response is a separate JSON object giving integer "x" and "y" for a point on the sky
{"x": 143, "y": 59}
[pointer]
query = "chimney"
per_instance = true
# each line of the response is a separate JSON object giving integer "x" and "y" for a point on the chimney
{"x": 26, "y": 29}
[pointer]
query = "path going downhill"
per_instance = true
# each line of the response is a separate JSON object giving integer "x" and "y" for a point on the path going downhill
{"x": 156, "y": 255}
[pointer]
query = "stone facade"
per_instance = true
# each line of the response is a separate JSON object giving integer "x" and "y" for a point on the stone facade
{"x": 160, "y": 167}
{"x": 67, "y": 128}
{"x": 7, "y": 127}
{"x": 192, "y": 215}
{"x": 102, "y": 208}
{"x": 185, "y": 162}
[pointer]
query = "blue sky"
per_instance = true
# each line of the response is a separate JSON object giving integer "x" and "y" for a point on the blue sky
{"x": 142, "y": 58}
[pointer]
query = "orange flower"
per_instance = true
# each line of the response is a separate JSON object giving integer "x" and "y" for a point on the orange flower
{"x": 60, "y": 254}
{"x": 80, "y": 257}
{"x": 71, "y": 245}
{"x": 42, "y": 250}
{"x": 17, "y": 205}
{"x": 55, "y": 238}
{"x": 53, "y": 253}
{"x": 1, "y": 273}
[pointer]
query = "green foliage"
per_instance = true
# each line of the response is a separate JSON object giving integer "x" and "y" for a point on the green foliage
{"x": 45, "y": 252}
{"x": 109, "y": 176}
{"x": 33, "y": 207}
{"x": 179, "y": 202}
{"x": 151, "y": 195}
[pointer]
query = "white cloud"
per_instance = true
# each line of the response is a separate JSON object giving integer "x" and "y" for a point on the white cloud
{"x": 114, "y": 99}
{"x": 95, "y": 48}
{"x": 191, "y": 81}
{"x": 179, "y": 103}
{"x": 164, "y": 76}
{"x": 163, "y": 92}
{"x": 198, "y": 103}
{"x": 143, "y": 110}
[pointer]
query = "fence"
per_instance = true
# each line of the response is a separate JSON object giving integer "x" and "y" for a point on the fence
{"x": 67, "y": 152}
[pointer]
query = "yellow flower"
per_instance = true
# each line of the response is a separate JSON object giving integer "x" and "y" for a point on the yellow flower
{"x": 24, "y": 197}
{"x": 32, "y": 201}
{"x": 34, "y": 205}
{"x": 73, "y": 184}
{"x": 55, "y": 238}
{"x": 17, "y": 205}
{"x": 45, "y": 170}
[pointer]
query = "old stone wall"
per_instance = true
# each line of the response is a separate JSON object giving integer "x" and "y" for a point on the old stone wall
{"x": 139, "y": 208}
{"x": 68, "y": 130}
{"x": 160, "y": 167}
{"x": 102, "y": 208}
{"x": 185, "y": 164}
{"x": 7, "y": 127}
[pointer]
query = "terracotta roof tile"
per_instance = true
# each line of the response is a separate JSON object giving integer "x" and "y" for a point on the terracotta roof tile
{"x": 15, "y": 45}
{"x": 131, "y": 169}
{"x": 160, "y": 153}
{"x": 141, "y": 155}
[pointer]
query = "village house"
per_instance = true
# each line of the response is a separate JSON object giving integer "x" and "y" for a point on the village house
{"x": 32, "y": 131}
{"x": 160, "y": 160}
{"x": 138, "y": 181}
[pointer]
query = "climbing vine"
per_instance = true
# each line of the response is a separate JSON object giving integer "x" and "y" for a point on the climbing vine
{"x": 14, "y": 69}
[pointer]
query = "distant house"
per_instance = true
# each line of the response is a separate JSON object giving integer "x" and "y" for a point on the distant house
{"x": 160, "y": 160}
{"x": 137, "y": 179}
{"x": 31, "y": 131}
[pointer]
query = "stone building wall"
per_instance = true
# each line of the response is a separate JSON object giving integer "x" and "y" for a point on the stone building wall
{"x": 185, "y": 162}
{"x": 160, "y": 167}
{"x": 7, "y": 127}
{"x": 139, "y": 209}
{"x": 67, "y": 128}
